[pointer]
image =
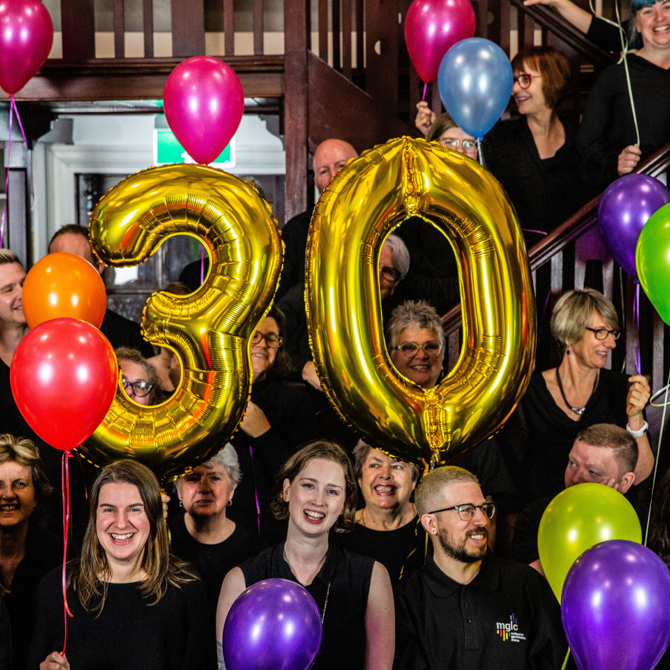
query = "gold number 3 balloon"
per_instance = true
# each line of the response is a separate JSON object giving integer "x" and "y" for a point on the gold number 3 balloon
{"x": 370, "y": 197}
{"x": 210, "y": 329}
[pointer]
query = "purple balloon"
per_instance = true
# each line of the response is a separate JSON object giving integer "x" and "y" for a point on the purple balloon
{"x": 616, "y": 607}
{"x": 625, "y": 206}
{"x": 274, "y": 625}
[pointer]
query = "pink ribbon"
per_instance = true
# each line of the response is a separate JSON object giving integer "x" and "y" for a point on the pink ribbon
{"x": 636, "y": 347}
{"x": 65, "y": 489}
{"x": 425, "y": 90}
{"x": 258, "y": 507}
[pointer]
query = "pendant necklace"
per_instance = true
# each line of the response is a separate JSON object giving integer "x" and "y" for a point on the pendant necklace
{"x": 323, "y": 613}
{"x": 577, "y": 410}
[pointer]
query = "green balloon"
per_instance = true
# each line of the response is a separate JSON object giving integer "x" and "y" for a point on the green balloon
{"x": 652, "y": 258}
{"x": 578, "y": 518}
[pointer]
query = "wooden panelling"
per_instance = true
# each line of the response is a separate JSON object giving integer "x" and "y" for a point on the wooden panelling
{"x": 258, "y": 27}
{"x": 77, "y": 29}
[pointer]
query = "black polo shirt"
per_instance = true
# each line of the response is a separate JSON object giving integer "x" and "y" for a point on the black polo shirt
{"x": 506, "y": 618}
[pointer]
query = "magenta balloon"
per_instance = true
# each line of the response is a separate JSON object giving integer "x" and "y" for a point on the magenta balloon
{"x": 616, "y": 607}
{"x": 432, "y": 27}
{"x": 26, "y": 36}
{"x": 273, "y": 624}
{"x": 203, "y": 103}
{"x": 626, "y": 205}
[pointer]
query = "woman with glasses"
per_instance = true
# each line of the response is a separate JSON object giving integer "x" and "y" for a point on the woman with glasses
{"x": 579, "y": 393}
{"x": 446, "y": 132}
{"x": 140, "y": 380}
{"x": 279, "y": 418}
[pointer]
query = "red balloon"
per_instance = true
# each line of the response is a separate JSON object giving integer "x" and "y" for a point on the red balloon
{"x": 204, "y": 103}
{"x": 26, "y": 36}
{"x": 432, "y": 27}
{"x": 64, "y": 376}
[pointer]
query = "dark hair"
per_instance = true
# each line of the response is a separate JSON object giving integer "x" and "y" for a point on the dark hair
{"x": 71, "y": 229}
{"x": 659, "y": 528}
{"x": 24, "y": 452}
{"x": 295, "y": 465}
{"x": 361, "y": 453}
{"x": 551, "y": 64}
{"x": 160, "y": 567}
{"x": 634, "y": 37}
{"x": 282, "y": 366}
{"x": 619, "y": 440}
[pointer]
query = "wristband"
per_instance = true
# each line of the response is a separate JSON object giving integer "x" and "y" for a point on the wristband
{"x": 638, "y": 433}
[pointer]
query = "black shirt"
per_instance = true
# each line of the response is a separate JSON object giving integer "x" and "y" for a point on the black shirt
{"x": 130, "y": 631}
{"x": 349, "y": 577}
{"x": 122, "y": 332}
{"x": 5, "y": 638}
{"x": 294, "y": 234}
{"x": 213, "y": 561}
{"x": 43, "y": 552}
{"x": 507, "y": 618}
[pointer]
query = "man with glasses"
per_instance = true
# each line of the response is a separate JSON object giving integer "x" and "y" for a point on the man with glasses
{"x": 467, "y": 609}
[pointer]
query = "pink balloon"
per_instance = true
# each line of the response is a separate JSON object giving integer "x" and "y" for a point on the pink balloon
{"x": 432, "y": 27}
{"x": 203, "y": 103}
{"x": 26, "y": 36}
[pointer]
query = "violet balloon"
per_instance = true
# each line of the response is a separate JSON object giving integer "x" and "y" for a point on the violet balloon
{"x": 432, "y": 27}
{"x": 273, "y": 625}
{"x": 625, "y": 207}
{"x": 26, "y": 36}
{"x": 204, "y": 104}
{"x": 616, "y": 607}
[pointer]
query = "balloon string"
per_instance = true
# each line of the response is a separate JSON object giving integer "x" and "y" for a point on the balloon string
{"x": 202, "y": 266}
{"x": 658, "y": 456}
{"x": 479, "y": 150}
{"x": 636, "y": 347}
{"x": 565, "y": 662}
{"x": 258, "y": 507}
{"x": 9, "y": 156}
{"x": 25, "y": 141}
{"x": 425, "y": 90}
{"x": 65, "y": 491}
{"x": 530, "y": 230}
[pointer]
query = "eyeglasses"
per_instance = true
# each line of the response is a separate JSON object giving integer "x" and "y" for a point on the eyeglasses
{"x": 271, "y": 339}
{"x": 467, "y": 511}
{"x": 411, "y": 349}
{"x": 390, "y": 274}
{"x": 452, "y": 143}
{"x": 524, "y": 80}
{"x": 140, "y": 389}
{"x": 602, "y": 333}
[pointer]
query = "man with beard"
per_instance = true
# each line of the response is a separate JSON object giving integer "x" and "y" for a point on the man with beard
{"x": 468, "y": 609}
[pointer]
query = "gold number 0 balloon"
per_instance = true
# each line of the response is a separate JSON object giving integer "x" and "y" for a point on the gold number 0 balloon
{"x": 210, "y": 329}
{"x": 370, "y": 197}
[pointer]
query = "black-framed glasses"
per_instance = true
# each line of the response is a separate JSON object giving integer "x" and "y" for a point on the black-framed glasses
{"x": 603, "y": 333}
{"x": 524, "y": 80}
{"x": 389, "y": 273}
{"x": 452, "y": 143}
{"x": 271, "y": 339}
{"x": 140, "y": 389}
{"x": 411, "y": 349}
{"x": 467, "y": 511}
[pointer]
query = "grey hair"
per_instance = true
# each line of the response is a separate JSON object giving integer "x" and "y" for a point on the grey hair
{"x": 428, "y": 492}
{"x": 360, "y": 454}
{"x": 7, "y": 256}
{"x": 226, "y": 458}
{"x": 414, "y": 314}
{"x": 399, "y": 254}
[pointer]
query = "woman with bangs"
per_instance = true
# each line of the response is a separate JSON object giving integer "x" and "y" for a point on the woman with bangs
{"x": 133, "y": 604}
{"x": 316, "y": 492}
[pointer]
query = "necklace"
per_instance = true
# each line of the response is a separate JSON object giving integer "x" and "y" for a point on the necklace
{"x": 323, "y": 613}
{"x": 577, "y": 410}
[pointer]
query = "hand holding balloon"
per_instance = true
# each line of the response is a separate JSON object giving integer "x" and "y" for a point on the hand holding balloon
{"x": 638, "y": 397}
{"x": 628, "y": 159}
{"x": 425, "y": 117}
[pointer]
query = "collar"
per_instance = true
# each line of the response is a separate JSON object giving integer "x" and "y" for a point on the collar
{"x": 325, "y": 575}
{"x": 443, "y": 586}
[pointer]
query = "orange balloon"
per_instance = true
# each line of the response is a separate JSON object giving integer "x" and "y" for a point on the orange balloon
{"x": 64, "y": 285}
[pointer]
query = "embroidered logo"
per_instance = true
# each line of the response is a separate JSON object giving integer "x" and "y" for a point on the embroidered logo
{"x": 510, "y": 631}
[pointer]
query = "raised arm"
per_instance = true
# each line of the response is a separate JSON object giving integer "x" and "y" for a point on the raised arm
{"x": 379, "y": 622}
{"x": 578, "y": 17}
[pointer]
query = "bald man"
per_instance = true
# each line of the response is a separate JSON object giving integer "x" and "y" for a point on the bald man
{"x": 329, "y": 158}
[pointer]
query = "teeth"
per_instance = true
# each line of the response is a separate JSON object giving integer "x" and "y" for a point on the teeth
{"x": 8, "y": 507}
{"x": 314, "y": 515}
{"x": 121, "y": 538}
{"x": 384, "y": 489}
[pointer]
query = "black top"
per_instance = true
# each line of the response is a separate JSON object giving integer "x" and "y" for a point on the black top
{"x": 291, "y": 416}
{"x": 5, "y": 638}
{"x": 349, "y": 577}
{"x": 507, "y": 618}
{"x": 44, "y": 552}
{"x": 122, "y": 332}
{"x": 294, "y": 233}
{"x": 607, "y": 36}
{"x": 607, "y": 124}
{"x": 400, "y": 551}
{"x": 130, "y": 632}
{"x": 213, "y": 561}
{"x": 537, "y": 439}
{"x": 544, "y": 192}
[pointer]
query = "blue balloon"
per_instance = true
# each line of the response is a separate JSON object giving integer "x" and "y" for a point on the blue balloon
{"x": 475, "y": 83}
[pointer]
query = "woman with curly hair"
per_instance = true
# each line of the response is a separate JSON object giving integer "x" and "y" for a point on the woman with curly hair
{"x": 316, "y": 491}
{"x": 133, "y": 604}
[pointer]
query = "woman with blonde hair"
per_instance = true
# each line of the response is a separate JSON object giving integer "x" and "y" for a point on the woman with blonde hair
{"x": 133, "y": 604}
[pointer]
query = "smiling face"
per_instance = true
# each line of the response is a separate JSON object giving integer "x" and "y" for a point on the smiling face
{"x": 206, "y": 491}
{"x": 17, "y": 494}
{"x": 12, "y": 276}
{"x": 420, "y": 367}
{"x": 461, "y": 136}
{"x": 529, "y": 100}
{"x": 385, "y": 482}
{"x": 597, "y": 465}
{"x": 329, "y": 158}
{"x": 316, "y": 496}
{"x": 122, "y": 524}
{"x": 653, "y": 23}
{"x": 134, "y": 372}
{"x": 589, "y": 351}
{"x": 262, "y": 355}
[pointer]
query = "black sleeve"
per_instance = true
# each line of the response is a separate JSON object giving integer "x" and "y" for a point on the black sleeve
{"x": 297, "y": 339}
{"x": 524, "y": 543}
{"x": 48, "y": 629}
{"x": 408, "y": 654}
{"x": 294, "y": 235}
{"x": 605, "y": 35}
{"x": 5, "y": 637}
{"x": 513, "y": 443}
{"x": 200, "y": 649}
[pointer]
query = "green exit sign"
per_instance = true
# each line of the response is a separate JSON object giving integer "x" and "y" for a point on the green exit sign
{"x": 167, "y": 151}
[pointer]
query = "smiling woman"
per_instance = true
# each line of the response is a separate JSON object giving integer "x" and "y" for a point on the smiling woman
{"x": 124, "y": 584}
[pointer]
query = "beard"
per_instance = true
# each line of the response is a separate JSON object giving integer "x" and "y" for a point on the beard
{"x": 457, "y": 550}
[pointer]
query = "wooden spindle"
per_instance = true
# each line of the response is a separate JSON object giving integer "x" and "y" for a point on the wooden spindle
{"x": 148, "y": 27}
{"x": 360, "y": 34}
{"x": 335, "y": 23}
{"x": 258, "y": 27}
{"x": 323, "y": 30}
{"x": 119, "y": 29}
{"x": 229, "y": 27}
{"x": 346, "y": 38}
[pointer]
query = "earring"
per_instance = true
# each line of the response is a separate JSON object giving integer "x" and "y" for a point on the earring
{"x": 568, "y": 352}
{"x": 229, "y": 503}
{"x": 181, "y": 504}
